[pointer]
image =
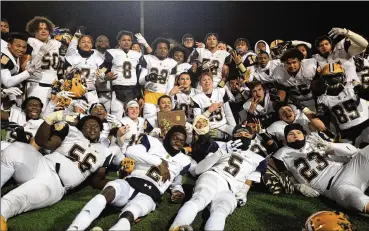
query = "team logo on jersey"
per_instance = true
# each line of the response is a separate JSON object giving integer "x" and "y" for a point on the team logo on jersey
{"x": 4, "y": 59}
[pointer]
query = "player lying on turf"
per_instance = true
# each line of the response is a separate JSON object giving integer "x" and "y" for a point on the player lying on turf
{"x": 155, "y": 169}
{"x": 44, "y": 180}
{"x": 223, "y": 174}
{"x": 306, "y": 157}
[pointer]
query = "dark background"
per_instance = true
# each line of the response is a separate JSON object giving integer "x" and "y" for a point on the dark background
{"x": 231, "y": 20}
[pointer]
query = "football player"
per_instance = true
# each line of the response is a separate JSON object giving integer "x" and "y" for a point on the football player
{"x": 211, "y": 59}
{"x": 294, "y": 77}
{"x": 306, "y": 157}
{"x": 10, "y": 64}
{"x": 238, "y": 95}
{"x": 222, "y": 182}
{"x": 44, "y": 180}
{"x": 303, "y": 47}
{"x": 155, "y": 168}
{"x": 188, "y": 42}
{"x": 27, "y": 121}
{"x": 4, "y": 26}
{"x": 213, "y": 103}
{"x": 157, "y": 76}
{"x": 345, "y": 101}
{"x": 46, "y": 51}
{"x": 261, "y": 45}
{"x": 181, "y": 95}
{"x": 263, "y": 69}
{"x": 180, "y": 54}
{"x": 353, "y": 44}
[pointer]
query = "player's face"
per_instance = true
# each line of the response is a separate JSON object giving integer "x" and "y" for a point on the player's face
{"x": 102, "y": 42}
{"x": 85, "y": 43}
{"x": 303, "y": 50}
{"x": 177, "y": 141}
{"x": 189, "y": 42}
{"x": 222, "y": 46}
{"x": 133, "y": 112}
{"x": 125, "y": 42}
{"x": 292, "y": 65}
{"x": 184, "y": 81}
{"x": 234, "y": 84}
{"x": 178, "y": 56}
{"x": 261, "y": 46}
{"x": 42, "y": 32}
{"x": 91, "y": 130}
{"x": 161, "y": 50}
{"x": 258, "y": 92}
{"x": 243, "y": 133}
{"x": 263, "y": 59}
{"x": 136, "y": 47}
{"x": 99, "y": 111}
{"x": 206, "y": 83}
{"x": 287, "y": 114}
{"x": 201, "y": 123}
{"x": 165, "y": 104}
{"x": 211, "y": 42}
{"x": 295, "y": 135}
{"x": 18, "y": 47}
{"x": 241, "y": 47}
{"x": 33, "y": 109}
{"x": 4, "y": 27}
{"x": 325, "y": 47}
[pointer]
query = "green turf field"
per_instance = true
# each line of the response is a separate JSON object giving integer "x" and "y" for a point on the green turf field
{"x": 262, "y": 212}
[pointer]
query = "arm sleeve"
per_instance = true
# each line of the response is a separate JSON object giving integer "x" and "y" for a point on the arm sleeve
{"x": 139, "y": 154}
{"x": 208, "y": 162}
{"x": 344, "y": 149}
{"x": 72, "y": 48}
{"x": 170, "y": 84}
{"x": 359, "y": 43}
{"x": 10, "y": 81}
{"x": 143, "y": 74}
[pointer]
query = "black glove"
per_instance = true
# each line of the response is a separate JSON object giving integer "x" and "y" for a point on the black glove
{"x": 151, "y": 77}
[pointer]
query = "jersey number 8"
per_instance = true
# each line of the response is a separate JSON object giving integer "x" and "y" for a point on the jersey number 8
{"x": 345, "y": 112}
{"x": 127, "y": 66}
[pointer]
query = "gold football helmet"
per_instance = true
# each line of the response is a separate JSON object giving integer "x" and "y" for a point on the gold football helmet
{"x": 277, "y": 48}
{"x": 328, "y": 221}
{"x": 333, "y": 74}
{"x": 4, "y": 226}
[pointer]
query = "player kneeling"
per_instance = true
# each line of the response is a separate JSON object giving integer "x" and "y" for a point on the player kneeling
{"x": 155, "y": 168}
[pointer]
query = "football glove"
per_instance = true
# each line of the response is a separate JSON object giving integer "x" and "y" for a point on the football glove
{"x": 32, "y": 67}
{"x": 241, "y": 195}
{"x": 177, "y": 197}
{"x": 306, "y": 190}
{"x": 113, "y": 120}
{"x": 60, "y": 116}
{"x": 141, "y": 40}
{"x": 335, "y": 32}
{"x": 11, "y": 91}
{"x": 151, "y": 77}
{"x": 65, "y": 94}
{"x": 231, "y": 146}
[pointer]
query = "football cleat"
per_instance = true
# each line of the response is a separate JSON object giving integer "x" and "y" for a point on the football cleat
{"x": 328, "y": 221}
{"x": 4, "y": 225}
{"x": 182, "y": 228}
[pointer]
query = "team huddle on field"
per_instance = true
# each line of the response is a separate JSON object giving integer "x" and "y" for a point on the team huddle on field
{"x": 277, "y": 117}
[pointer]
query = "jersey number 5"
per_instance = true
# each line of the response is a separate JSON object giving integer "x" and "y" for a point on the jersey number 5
{"x": 306, "y": 172}
{"x": 234, "y": 163}
{"x": 76, "y": 153}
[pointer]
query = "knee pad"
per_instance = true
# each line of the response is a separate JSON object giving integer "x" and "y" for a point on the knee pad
{"x": 129, "y": 216}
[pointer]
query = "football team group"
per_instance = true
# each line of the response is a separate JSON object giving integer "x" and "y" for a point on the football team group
{"x": 276, "y": 117}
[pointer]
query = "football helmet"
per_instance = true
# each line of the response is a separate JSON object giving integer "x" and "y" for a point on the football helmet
{"x": 4, "y": 226}
{"x": 328, "y": 221}
{"x": 62, "y": 35}
{"x": 333, "y": 75}
{"x": 277, "y": 48}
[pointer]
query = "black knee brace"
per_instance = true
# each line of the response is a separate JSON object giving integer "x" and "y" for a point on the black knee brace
{"x": 129, "y": 216}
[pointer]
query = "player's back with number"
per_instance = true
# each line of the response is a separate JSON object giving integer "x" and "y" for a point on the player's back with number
{"x": 78, "y": 157}
{"x": 124, "y": 65}
{"x": 50, "y": 61}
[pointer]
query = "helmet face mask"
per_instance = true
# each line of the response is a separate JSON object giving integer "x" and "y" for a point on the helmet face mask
{"x": 277, "y": 48}
{"x": 333, "y": 76}
{"x": 334, "y": 81}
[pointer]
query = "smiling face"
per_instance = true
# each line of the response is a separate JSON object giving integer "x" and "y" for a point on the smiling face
{"x": 99, "y": 111}
{"x": 133, "y": 112}
{"x": 91, "y": 130}
{"x": 201, "y": 123}
{"x": 206, "y": 82}
{"x": 177, "y": 141}
{"x": 18, "y": 47}
{"x": 287, "y": 114}
{"x": 33, "y": 109}
{"x": 165, "y": 104}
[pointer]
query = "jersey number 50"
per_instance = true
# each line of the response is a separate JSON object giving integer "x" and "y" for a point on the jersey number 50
{"x": 50, "y": 60}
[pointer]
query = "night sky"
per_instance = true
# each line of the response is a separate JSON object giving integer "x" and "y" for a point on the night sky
{"x": 231, "y": 20}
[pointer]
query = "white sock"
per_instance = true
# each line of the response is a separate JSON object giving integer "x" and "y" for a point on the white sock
{"x": 89, "y": 213}
{"x": 186, "y": 214}
{"x": 122, "y": 225}
{"x": 216, "y": 221}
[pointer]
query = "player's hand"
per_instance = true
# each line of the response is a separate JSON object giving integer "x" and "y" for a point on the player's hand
{"x": 65, "y": 94}
{"x": 164, "y": 171}
{"x": 177, "y": 197}
{"x": 81, "y": 30}
{"x": 236, "y": 58}
{"x": 254, "y": 104}
{"x": 10, "y": 91}
{"x": 319, "y": 144}
{"x": 215, "y": 106}
{"x": 257, "y": 125}
{"x": 229, "y": 49}
{"x": 33, "y": 66}
{"x": 141, "y": 40}
{"x": 60, "y": 116}
{"x": 307, "y": 190}
{"x": 79, "y": 106}
{"x": 241, "y": 195}
{"x": 175, "y": 90}
{"x": 207, "y": 66}
{"x": 113, "y": 120}
{"x": 231, "y": 146}
{"x": 110, "y": 76}
{"x": 335, "y": 32}
{"x": 199, "y": 44}
{"x": 152, "y": 77}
